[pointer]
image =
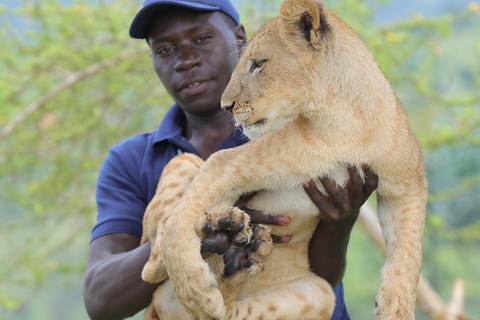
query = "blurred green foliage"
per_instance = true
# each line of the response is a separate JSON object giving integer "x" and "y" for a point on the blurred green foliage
{"x": 73, "y": 83}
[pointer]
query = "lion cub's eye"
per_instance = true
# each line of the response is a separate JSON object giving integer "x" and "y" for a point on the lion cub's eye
{"x": 257, "y": 64}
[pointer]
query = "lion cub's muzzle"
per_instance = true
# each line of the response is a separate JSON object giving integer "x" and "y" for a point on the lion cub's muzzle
{"x": 228, "y": 108}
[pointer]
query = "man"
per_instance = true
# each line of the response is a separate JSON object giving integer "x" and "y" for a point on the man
{"x": 194, "y": 49}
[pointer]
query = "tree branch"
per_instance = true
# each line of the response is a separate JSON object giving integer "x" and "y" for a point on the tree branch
{"x": 65, "y": 84}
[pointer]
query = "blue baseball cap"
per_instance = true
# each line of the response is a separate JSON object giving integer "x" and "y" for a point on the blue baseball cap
{"x": 139, "y": 26}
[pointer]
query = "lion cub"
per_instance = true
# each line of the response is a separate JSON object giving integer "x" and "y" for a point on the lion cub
{"x": 312, "y": 98}
{"x": 311, "y": 296}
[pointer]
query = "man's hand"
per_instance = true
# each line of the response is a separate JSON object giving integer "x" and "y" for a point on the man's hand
{"x": 328, "y": 247}
{"x": 343, "y": 203}
{"x": 258, "y": 216}
{"x": 338, "y": 210}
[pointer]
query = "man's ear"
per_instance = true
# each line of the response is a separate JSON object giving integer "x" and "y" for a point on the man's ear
{"x": 304, "y": 20}
{"x": 241, "y": 35}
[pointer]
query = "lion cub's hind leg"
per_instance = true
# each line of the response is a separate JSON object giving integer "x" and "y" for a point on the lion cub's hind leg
{"x": 174, "y": 181}
{"x": 244, "y": 263}
{"x": 310, "y": 298}
{"x": 165, "y": 305}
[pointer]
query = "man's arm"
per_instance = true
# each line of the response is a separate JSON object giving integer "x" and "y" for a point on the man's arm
{"x": 113, "y": 287}
{"x": 328, "y": 246}
{"x": 119, "y": 256}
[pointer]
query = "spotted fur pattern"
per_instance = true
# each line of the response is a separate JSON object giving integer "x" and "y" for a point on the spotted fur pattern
{"x": 264, "y": 298}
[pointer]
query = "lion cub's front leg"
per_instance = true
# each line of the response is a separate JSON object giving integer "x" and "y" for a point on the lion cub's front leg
{"x": 225, "y": 218}
{"x": 176, "y": 177}
{"x": 175, "y": 180}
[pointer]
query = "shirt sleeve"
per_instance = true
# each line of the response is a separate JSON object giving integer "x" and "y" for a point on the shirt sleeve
{"x": 120, "y": 201}
{"x": 340, "y": 312}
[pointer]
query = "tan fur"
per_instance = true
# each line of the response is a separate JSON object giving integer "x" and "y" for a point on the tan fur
{"x": 314, "y": 101}
{"x": 265, "y": 297}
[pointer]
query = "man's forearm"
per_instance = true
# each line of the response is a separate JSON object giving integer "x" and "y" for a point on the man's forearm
{"x": 114, "y": 288}
{"x": 328, "y": 249}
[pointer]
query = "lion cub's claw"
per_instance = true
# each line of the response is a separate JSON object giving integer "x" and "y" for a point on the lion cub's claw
{"x": 250, "y": 258}
{"x": 262, "y": 242}
{"x": 224, "y": 221}
{"x": 261, "y": 248}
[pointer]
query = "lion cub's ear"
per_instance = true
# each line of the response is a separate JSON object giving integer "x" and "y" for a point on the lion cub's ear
{"x": 304, "y": 21}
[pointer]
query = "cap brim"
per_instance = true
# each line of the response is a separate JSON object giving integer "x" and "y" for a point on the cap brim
{"x": 139, "y": 26}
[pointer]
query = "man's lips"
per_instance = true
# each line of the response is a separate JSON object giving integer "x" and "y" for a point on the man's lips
{"x": 191, "y": 83}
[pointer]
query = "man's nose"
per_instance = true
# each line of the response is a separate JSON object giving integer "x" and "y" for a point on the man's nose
{"x": 187, "y": 58}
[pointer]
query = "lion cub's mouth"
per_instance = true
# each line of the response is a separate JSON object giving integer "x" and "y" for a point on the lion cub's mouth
{"x": 256, "y": 123}
{"x": 259, "y": 122}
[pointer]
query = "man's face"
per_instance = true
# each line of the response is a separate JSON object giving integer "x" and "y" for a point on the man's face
{"x": 193, "y": 55}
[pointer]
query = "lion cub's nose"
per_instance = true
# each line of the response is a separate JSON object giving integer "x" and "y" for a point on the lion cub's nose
{"x": 229, "y": 108}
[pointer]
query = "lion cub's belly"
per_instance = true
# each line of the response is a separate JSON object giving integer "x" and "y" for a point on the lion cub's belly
{"x": 288, "y": 260}
{"x": 294, "y": 203}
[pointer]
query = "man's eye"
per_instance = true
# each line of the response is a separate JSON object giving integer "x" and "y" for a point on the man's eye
{"x": 164, "y": 51}
{"x": 202, "y": 39}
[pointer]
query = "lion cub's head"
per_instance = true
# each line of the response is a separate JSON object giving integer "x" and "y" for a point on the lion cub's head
{"x": 271, "y": 78}
{"x": 296, "y": 64}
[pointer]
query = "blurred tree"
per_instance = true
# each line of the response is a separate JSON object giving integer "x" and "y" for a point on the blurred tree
{"x": 73, "y": 84}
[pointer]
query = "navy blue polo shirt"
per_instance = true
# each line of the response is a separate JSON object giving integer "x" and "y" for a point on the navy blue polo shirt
{"x": 129, "y": 175}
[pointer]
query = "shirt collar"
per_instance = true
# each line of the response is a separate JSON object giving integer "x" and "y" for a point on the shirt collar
{"x": 171, "y": 125}
{"x": 170, "y": 129}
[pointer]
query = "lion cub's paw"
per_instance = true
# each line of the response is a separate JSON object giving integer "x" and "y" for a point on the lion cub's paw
{"x": 230, "y": 221}
{"x": 389, "y": 307}
{"x": 252, "y": 257}
{"x": 154, "y": 271}
{"x": 206, "y": 305}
